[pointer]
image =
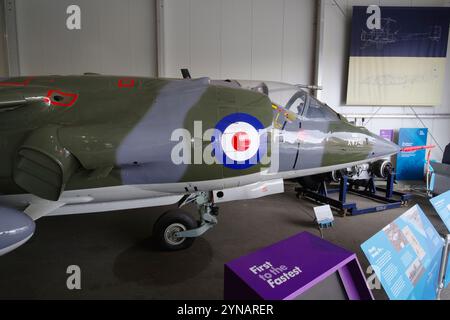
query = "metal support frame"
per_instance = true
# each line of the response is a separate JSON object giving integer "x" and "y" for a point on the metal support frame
{"x": 371, "y": 186}
{"x": 160, "y": 38}
{"x": 318, "y": 60}
{"x": 12, "y": 45}
{"x": 398, "y": 116}
{"x": 371, "y": 192}
{"x": 323, "y": 189}
{"x": 390, "y": 186}
{"x": 343, "y": 185}
{"x": 443, "y": 268}
{"x": 207, "y": 212}
{"x": 3, "y": 51}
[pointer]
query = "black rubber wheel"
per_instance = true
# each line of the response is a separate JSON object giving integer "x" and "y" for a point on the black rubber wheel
{"x": 168, "y": 225}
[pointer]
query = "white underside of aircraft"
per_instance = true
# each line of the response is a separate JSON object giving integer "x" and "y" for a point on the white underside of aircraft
{"x": 142, "y": 196}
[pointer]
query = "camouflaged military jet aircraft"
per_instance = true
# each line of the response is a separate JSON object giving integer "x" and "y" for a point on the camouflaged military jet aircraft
{"x": 91, "y": 143}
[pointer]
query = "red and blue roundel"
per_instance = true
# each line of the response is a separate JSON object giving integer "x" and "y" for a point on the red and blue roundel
{"x": 239, "y": 141}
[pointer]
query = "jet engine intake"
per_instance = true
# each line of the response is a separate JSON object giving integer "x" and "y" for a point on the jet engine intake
{"x": 381, "y": 168}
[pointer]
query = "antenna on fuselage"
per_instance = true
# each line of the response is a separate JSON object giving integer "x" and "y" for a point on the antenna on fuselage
{"x": 308, "y": 86}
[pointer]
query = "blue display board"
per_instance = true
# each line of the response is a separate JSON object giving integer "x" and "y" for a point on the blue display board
{"x": 410, "y": 165}
{"x": 406, "y": 256}
{"x": 442, "y": 205}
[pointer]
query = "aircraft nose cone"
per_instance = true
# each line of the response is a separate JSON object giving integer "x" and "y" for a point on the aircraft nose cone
{"x": 15, "y": 229}
{"x": 383, "y": 147}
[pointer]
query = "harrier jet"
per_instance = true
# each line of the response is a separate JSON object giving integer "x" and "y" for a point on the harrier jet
{"x": 91, "y": 143}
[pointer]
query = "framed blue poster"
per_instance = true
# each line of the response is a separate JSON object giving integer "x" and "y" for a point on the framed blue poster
{"x": 400, "y": 60}
{"x": 410, "y": 165}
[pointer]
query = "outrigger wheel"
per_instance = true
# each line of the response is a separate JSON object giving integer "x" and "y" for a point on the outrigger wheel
{"x": 168, "y": 225}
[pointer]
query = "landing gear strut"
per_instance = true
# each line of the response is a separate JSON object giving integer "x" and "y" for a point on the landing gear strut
{"x": 177, "y": 230}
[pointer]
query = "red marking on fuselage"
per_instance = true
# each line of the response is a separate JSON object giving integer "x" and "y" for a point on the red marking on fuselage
{"x": 241, "y": 141}
{"x": 23, "y": 83}
{"x": 126, "y": 83}
{"x": 73, "y": 96}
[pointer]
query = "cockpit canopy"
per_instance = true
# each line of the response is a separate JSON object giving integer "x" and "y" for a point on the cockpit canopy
{"x": 290, "y": 97}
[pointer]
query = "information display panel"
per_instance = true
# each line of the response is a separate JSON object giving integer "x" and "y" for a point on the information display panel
{"x": 406, "y": 256}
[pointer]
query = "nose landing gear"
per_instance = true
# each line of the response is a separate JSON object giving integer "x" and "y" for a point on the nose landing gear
{"x": 177, "y": 229}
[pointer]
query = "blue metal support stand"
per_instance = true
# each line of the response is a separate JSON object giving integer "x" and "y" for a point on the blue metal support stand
{"x": 343, "y": 185}
{"x": 387, "y": 197}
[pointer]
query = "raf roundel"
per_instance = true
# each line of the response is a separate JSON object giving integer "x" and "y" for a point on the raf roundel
{"x": 239, "y": 141}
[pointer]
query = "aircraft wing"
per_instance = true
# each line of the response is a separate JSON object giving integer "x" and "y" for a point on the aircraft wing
{"x": 15, "y": 229}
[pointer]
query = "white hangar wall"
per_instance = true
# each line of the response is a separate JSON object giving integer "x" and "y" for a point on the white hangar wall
{"x": 240, "y": 39}
{"x": 275, "y": 40}
{"x": 117, "y": 37}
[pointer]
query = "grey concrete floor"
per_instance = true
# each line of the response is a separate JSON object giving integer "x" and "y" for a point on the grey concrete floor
{"x": 118, "y": 260}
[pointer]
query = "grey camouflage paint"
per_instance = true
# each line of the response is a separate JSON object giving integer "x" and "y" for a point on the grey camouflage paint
{"x": 144, "y": 155}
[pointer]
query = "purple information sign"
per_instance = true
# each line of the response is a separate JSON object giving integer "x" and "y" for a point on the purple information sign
{"x": 387, "y": 134}
{"x": 288, "y": 269}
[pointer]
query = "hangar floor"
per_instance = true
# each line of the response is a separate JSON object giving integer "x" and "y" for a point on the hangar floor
{"x": 118, "y": 261}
